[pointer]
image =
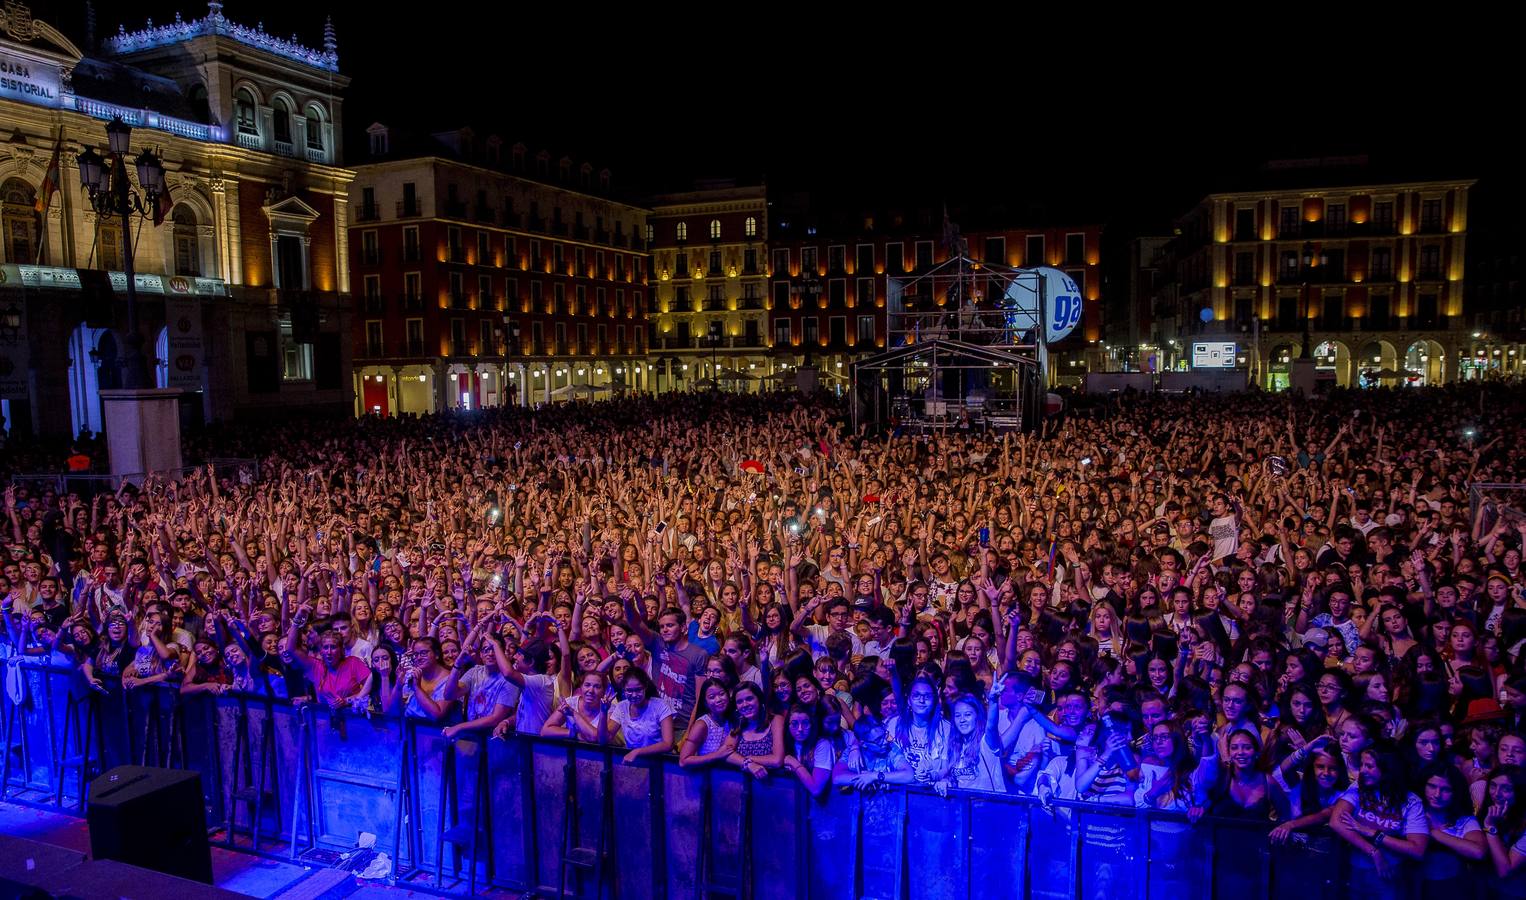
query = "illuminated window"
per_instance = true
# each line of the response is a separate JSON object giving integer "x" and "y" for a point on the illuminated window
{"x": 750, "y": 227}
{"x": 715, "y": 229}
{"x": 243, "y": 112}
{"x": 683, "y": 231}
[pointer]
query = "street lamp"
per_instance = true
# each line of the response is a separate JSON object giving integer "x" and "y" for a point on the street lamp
{"x": 105, "y": 181}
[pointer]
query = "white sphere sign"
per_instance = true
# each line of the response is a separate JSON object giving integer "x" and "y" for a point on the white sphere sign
{"x": 1062, "y": 304}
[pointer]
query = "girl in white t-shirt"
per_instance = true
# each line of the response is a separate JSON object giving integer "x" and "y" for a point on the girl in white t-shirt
{"x": 973, "y": 747}
{"x": 810, "y": 757}
{"x": 1457, "y": 841}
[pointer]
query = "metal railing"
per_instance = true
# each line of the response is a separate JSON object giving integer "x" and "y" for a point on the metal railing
{"x": 571, "y": 819}
{"x": 88, "y": 484}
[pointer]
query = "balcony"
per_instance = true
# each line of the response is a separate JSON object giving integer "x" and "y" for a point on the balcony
{"x": 370, "y": 256}
{"x": 580, "y": 232}
{"x": 411, "y": 253}
{"x": 373, "y": 305}
{"x": 368, "y": 213}
{"x": 454, "y": 209}
{"x": 458, "y": 301}
{"x": 1431, "y": 226}
{"x": 414, "y": 348}
{"x": 1384, "y": 274}
{"x": 512, "y": 219}
{"x": 601, "y": 237}
{"x": 409, "y": 209}
{"x": 374, "y": 351}
{"x": 1429, "y": 274}
{"x": 750, "y": 303}
{"x": 484, "y": 214}
{"x": 537, "y": 223}
{"x": 455, "y": 254}
{"x": 412, "y": 304}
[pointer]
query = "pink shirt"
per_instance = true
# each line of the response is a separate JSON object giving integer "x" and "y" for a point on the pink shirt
{"x": 342, "y": 683}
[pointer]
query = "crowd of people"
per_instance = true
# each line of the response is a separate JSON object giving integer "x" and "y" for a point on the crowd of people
{"x": 1259, "y": 607}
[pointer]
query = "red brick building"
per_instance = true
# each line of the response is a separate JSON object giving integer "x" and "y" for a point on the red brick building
{"x": 484, "y": 273}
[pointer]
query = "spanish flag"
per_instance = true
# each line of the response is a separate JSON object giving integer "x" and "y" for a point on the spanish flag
{"x": 52, "y": 179}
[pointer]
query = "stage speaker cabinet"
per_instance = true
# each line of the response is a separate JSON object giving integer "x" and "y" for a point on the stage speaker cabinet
{"x": 151, "y": 818}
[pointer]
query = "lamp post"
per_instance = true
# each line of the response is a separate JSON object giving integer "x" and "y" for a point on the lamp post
{"x": 105, "y": 181}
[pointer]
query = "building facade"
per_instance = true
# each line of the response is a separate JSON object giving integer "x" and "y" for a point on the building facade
{"x": 709, "y": 256}
{"x": 828, "y": 285}
{"x": 242, "y": 290}
{"x": 484, "y": 274}
{"x": 1370, "y": 277}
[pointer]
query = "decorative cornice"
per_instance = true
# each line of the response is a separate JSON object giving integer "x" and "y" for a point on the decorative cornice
{"x": 215, "y": 23}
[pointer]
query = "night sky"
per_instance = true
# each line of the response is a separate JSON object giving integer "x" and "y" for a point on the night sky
{"x": 1132, "y": 139}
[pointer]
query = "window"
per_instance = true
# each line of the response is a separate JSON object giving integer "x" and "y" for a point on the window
{"x": 187, "y": 242}
{"x": 1430, "y": 214}
{"x": 484, "y": 250}
{"x": 1245, "y": 268}
{"x": 457, "y": 291}
{"x": 510, "y": 292}
{"x": 810, "y": 327}
{"x": 1289, "y": 265}
{"x": 603, "y": 340}
{"x": 314, "y": 128}
{"x": 412, "y": 287}
{"x": 895, "y": 263}
{"x": 1335, "y": 218}
{"x": 559, "y": 298}
{"x": 1430, "y": 262}
{"x": 374, "y": 346}
{"x": 486, "y": 343}
{"x": 378, "y": 143}
{"x": 1033, "y": 251}
{"x": 837, "y": 259}
{"x": 1245, "y": 224}
{"x": 864, "y": 261}
{"x": 537, "y": 294}
{"x": 808, "y": 261}
{"x": 863, "y": 293}
{"x": 837, "y": 292}
{"x": 1378, "y": 312}
{"x": 837, "y": 331}
{"x": 680, "y": 299}
{"x": 1075, "y": 249}
{"x": 244, "y": 115}
{"x": 296, "y": 359}
{"x": 582, "y": 346}
{"x": 781, "y": 331}
{"x": 996, "y": 250}
{"x": 108, "y": 245}
{"x": 559, "y": 259}
{"x": 280, "y": 118}
{"x": 924, "y": 254}
{"x": 715, "y": 229}
{"x": 1288, "y": 224}
{"x": 620, "y": 339}
{"x": 1382, "y": 264}
{"x": 537, "y": 337}
{"x": 485, "y": 292}
{"x": 865, "y": 330}
{"x": 410, "y": 200}
{"x": 781, "y": 295}
{"x": 579, "y": 262}
{"x": 598, "y": 264}
{"x": 781, "y": 263}
{"x": 561, "y": 337}
{"x": 619, "y": 302}
{"x": 715, "y": 263}
{"x": 454, "y": 251}
{"x": 715, "y": 297}
{"x": 648, "y": 232}
{"x": 750, "y": 261}
{"x": 580, "y": 294}
{"x": 373, "y": 294}
{"x": 1383, "y": 216}
{"x": 457, "y": 337}
{"x": 683, "y": 231}
{"x": 681, "y": 265}
{"x": 750, "y": 227}
{"x": 414, "y": 329}
{"x": 1079, "y": 277}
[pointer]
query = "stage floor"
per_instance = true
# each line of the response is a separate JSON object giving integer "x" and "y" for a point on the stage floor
{"x": 244, "y": 873}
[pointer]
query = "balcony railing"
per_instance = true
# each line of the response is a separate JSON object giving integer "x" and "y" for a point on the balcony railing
{"x": 367, "y": 213}
{"x": 371, "y": 257}
{"x": 373, "y": 304}
{"x": 408, "y": 209}
{"x": 485, "y": 214}
{"x": 455, "y": 209}
{"x": 412, "y": 304}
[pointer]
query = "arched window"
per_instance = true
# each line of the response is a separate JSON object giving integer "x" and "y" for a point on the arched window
{"x": 243, "y": 112}
{"x": 187, "y": 242}
{"x": 21, "y": 226}
{"x": 750, "y": 227}
{"x": 315, "y": 120}
{"x": 280, "y": 118}
{"x": 198, "y": 100}
{"x": 715, "y": 229}
{"x": 683, "y": 231}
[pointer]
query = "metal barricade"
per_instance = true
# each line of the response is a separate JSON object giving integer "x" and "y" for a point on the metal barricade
{"x": 569, "y": 819}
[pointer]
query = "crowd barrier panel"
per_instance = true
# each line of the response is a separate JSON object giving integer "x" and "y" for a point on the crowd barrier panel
{"x": 571, "y": 819}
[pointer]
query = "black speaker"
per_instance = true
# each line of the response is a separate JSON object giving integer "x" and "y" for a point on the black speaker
{"x": 151, "y": 818}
